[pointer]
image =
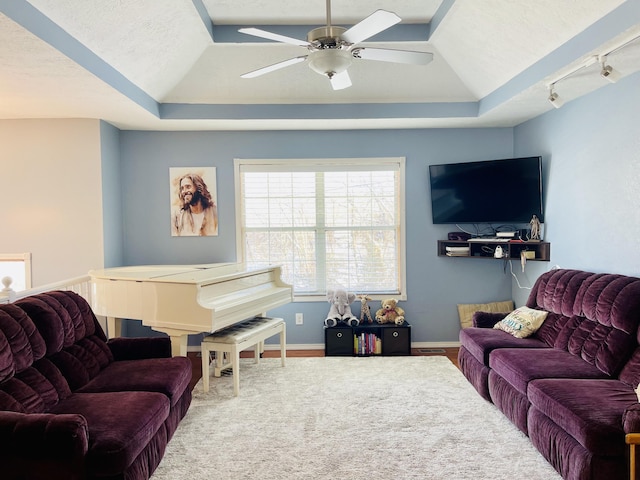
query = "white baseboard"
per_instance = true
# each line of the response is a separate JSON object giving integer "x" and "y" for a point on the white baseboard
{"x": 320, "y": 346}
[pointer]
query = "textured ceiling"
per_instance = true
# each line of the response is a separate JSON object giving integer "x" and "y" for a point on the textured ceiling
{"x": 176, "y": 64}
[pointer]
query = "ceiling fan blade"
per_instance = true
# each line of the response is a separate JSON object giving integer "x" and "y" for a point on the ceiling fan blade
{"x": 257, "y": 32}
{"x": 274, "y": 67}
{"x": 377, "y": 22}
{"x": 390, "y": 55}
{"x": 340, "y": 81}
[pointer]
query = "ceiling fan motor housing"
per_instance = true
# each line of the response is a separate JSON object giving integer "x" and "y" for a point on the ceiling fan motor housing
{"x": 326, "y": 37}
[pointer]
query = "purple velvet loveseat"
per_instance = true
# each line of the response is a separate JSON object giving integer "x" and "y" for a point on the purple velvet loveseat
{"x": 570, "y": 386}
{"x": 76, "y": 406}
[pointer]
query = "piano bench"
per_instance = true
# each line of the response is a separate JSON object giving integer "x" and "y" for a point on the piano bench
{"x": 236, "y": 338}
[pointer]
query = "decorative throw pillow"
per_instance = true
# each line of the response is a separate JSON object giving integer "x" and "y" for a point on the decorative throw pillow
{"x": 522, "y": 322}
{"x": 466, "y": 311}
{"x": 638, "y": 392}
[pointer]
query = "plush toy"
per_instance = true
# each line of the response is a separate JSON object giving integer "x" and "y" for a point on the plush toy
{"x": 340, "y": 310}
{"x": 365, "y": 310}
{"x": 390, "y": 312}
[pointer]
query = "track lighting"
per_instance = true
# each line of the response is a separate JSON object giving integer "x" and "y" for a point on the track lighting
{"x": 553, "y": 97}
{"x": 608, "y": 73}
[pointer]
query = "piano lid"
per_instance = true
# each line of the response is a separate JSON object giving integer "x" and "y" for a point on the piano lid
{"x": 192, "y": 274}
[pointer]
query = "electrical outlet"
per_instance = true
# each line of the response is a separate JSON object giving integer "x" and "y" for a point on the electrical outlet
{"x": 299, "y": 319}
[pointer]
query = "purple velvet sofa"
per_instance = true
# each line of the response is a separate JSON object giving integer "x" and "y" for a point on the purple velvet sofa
{"x": 570, "y": 386}
{"x": 76, "y": 406}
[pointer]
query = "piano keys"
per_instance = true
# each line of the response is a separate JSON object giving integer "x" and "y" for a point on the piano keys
{"x": 186, "y": 299}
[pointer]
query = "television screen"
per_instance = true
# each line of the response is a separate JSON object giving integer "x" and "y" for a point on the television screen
{"x": 505, "y": 191}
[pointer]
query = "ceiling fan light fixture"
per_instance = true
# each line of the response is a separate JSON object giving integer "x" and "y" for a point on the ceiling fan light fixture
{"x": 329, "y": 62}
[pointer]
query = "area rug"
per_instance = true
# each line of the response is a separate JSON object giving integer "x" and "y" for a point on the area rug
{"x": 348, "y": 418}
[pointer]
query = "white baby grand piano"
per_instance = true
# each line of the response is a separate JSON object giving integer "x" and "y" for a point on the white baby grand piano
{"x": 186, "y": 299}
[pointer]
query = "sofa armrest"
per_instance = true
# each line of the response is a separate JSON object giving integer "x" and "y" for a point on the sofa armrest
{"x": 43, "y": 437}
{"x": 486, "y": 319}
{"x": 631, "y": 419}
{"x": 124, "y": 348}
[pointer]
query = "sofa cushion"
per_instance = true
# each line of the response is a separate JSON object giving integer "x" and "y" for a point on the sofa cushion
{"x": 520, "y": 366}
{"x": 556, "y": 290}
{"x": 611, "y": 300}
{"x": 522, "y": 322}
{"x": 169, "y": 376}
{"x": 52, "y": 323}
{"x": 24, "y": 340}
{"x": 6, "y": 358}
{"x": 480, "y": 342}
{"x": 589, "y": 410}
{"x": 43, "y": 389}
{"x": 599, "y": 315}
{"x": 82, "y": 361}
{"x": 34, "y": 390}
{"x": 85, "y": 322}
{"x": 603, "y": 346}
{"x": 120, "y": 424}
{"x": 17, "y": 396}
{"x": 93, "y": 353}
{"x": 78, "y": 321}
{"x": 63, "y": 318}
{"x": 53, "y": 377}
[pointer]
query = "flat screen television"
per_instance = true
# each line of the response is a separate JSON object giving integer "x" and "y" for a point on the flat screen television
{"x": 507, "y": 191}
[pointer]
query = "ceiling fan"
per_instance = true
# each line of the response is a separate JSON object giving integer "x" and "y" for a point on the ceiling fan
{"x": 333, "y": 48}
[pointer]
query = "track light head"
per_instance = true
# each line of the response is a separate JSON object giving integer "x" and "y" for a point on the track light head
{"x": 554, "y": 98}
{"x": 609, "y": 74}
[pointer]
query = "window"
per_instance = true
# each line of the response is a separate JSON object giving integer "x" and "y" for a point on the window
{"x": 335, "y": 223}
{"x": 18, "y": 267}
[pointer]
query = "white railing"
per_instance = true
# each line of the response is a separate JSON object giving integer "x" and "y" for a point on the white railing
{"x": 79, "y": 285}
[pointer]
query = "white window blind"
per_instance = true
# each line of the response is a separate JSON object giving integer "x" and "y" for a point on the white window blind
{"x": 329, "y": 223}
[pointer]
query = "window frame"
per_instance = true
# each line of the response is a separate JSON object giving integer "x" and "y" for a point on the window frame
{"x": 18, "y": 257}
{"x": 343, "y": 163}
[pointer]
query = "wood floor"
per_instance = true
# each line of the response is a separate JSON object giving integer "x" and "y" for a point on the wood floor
{"x": 196, "y": 362}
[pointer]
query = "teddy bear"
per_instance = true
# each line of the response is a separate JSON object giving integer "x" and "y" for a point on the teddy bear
{"x": 340, "y": 310}
{"x": 390, "y": 312}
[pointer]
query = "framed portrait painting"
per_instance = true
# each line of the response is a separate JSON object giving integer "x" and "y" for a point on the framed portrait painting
{"x": 194, "y": 203}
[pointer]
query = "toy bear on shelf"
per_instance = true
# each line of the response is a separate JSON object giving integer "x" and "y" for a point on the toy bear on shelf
{"x": 390, "y": 312}
{"x": 340, "y": 310}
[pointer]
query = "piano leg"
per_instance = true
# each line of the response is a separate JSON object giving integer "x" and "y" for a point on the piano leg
{"x": 179, "y": 345}
{"x": 114, "y": 327}
{"x": 283, "y": 346}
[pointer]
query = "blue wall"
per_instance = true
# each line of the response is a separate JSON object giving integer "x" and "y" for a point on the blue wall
{"x": 591, "y": 150}
{"x": 591, "y": 169}
{"x": 111, "y": 195}
{"x": 435, "y": 284}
